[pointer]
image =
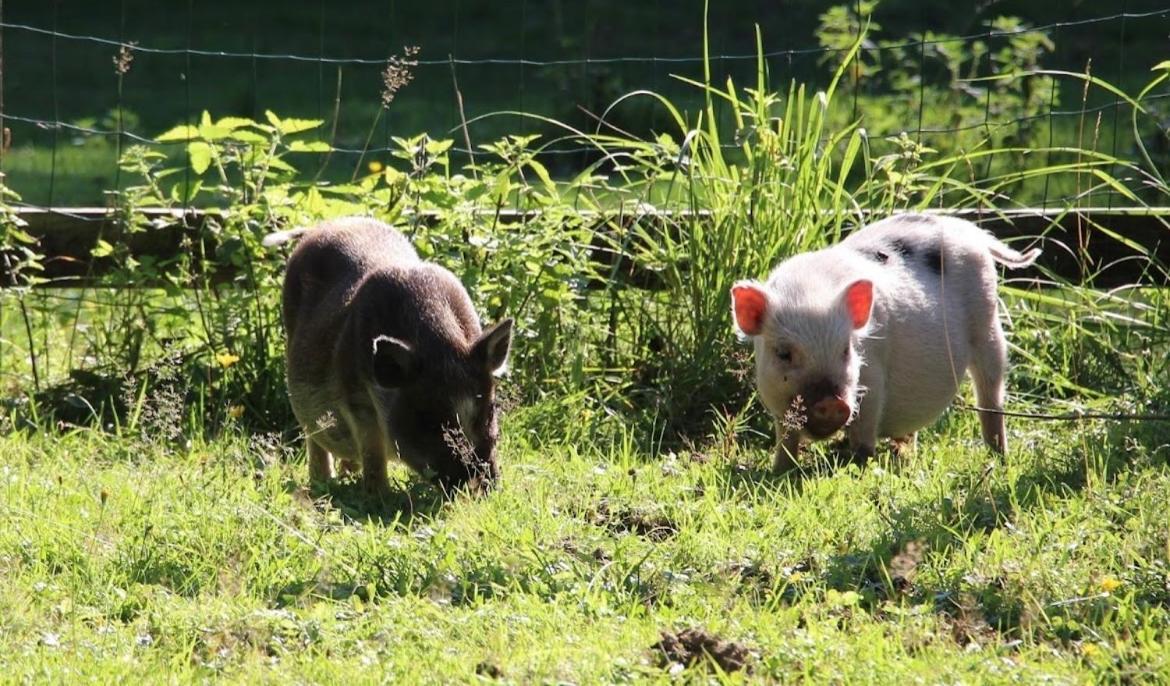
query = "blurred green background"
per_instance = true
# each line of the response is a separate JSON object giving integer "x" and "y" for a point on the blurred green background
{"x": 63, "y": 79}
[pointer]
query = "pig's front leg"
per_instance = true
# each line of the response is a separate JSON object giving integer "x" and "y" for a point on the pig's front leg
{"x": 320, "y": 462}
{"x": 375, "y": 480}
{"x": 863, "y": 432}
{"x": 787, "y": 446}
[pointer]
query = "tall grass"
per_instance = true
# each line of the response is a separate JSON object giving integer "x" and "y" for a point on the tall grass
{"x": 757, "y": 174}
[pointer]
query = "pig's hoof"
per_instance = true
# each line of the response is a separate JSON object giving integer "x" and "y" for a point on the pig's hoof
{"x": 861, "y": 454}
{"x": 377, "y": 490}
{"x": 904, "y": 446}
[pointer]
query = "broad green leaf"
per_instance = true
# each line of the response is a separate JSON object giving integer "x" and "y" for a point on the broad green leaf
{"x": 291, "y": 126}
{"x": 277, "y": 163}
{"x": 543, "y": 174}
{"x": 232, "y": 123}
{"x": 183, "y": 132}
{"x": 102, "y": 249}
{"x": 309, "y": 146}
{"x": 437, "y": 148}
{"x": 249, "y": 137}
{"x": 200, "y": 154}
{"x": 211, "y": 132}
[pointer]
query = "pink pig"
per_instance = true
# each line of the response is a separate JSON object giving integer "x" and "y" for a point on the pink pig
{"x": 876, "y": 333}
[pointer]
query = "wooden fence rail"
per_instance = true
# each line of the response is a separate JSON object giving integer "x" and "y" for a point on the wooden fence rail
{"x": 1104, "y": 247}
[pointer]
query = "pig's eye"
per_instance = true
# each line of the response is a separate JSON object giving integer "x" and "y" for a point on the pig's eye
{"x": 845, "y": 355}
{"x": 784, "y": 354}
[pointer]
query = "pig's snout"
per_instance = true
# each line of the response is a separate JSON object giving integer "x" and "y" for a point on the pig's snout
{"x": 827, "y": 416}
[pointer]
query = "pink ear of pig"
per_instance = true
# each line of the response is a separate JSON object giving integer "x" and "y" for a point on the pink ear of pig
{"x": 859, "y": 302}
{"x": 749, "y": 305}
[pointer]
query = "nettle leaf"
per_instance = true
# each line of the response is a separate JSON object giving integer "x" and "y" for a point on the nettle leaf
{"x": 277, "y": 163}
{"x": 249, "y": 137}
{"x": 183, "y": 132}
{"x": 291, "y": 126}
{"x": 192, "y": 189}
{"x": 102, "y": 249}
{"x": 233, "y": 123}
{"x": 543, "y": 174}
{"x": 439, "y": 147}
{"x": 200, "y": 154}
{"x": 209, "y": 131}
{"x": 309, "y": 146}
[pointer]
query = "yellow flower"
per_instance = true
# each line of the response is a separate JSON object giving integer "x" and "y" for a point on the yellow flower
{"x": 236, "y": 411}
{"x": 1110, "y": 584}
{"x": 374, "y": 166}
{"x": 226, "y": 360}
{"x": 1090, "y": 649}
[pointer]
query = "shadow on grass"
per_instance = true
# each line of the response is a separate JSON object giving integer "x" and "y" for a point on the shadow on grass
{"x": 403, "y": 502}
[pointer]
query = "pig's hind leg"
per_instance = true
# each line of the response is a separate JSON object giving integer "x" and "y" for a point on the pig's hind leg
{"x": 988, "y": 366}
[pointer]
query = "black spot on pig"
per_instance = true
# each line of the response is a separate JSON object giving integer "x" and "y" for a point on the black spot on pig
{"x": 901, "y": 248}
{"x": 933, "y": 259}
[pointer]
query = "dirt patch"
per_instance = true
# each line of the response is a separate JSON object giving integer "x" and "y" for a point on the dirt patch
{"x": 964, "y": 617}
{"x": 690, "y": 647}
{"x": 903, "y": 567}
{"x": 489, "y": 669}
{"x": 625, "y": 519}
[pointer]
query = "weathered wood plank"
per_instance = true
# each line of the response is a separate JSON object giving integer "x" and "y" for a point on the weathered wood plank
{"x": 1105, "y": 247}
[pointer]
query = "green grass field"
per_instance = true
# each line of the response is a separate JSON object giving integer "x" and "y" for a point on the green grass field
{"x": 132, "y": 558}
{"x": 154, "y": 529}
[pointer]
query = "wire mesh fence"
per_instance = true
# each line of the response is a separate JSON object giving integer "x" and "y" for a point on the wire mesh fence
{"x": 83, "y": 84}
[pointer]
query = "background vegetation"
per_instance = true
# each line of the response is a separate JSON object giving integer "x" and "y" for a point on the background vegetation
{"x": 579, "y": 67}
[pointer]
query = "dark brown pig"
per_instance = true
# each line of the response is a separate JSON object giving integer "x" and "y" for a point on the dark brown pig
{"x": 386, "y": 358}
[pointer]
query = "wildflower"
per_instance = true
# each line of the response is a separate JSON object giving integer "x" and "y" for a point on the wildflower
{"x": 226, "y": 360}
{"x": 1110, "y": 584}
{"x": 1090, "y": 649}
{"x": 236, "y": 411}
{"x": 374, "y": 166}
{"x": 397, "y": 74}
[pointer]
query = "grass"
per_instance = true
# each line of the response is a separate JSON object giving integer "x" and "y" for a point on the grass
{"x": 150, "y": 529}
{"x": 129, "y": 558}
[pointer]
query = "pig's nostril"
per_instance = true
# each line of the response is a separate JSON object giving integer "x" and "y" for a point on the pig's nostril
{"x": 834, "y": 409}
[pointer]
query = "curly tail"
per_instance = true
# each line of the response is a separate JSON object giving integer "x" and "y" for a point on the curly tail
{"x": 281, "y": 237}
{"x": 1010, "y": 258}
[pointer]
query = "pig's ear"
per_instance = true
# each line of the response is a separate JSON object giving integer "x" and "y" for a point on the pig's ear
{"x": 749, "y": 305}
{"x": 394, "y": 362}
{"x": 491, "y": 350}
{"x": 858, "y": 299}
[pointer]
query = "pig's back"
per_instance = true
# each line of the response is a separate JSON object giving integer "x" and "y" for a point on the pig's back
{"x": 331, "y": 260}
{"x": 931, "y": 299}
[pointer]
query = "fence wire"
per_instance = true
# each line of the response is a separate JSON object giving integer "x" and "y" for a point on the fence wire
{"x": 59, "y": 128}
